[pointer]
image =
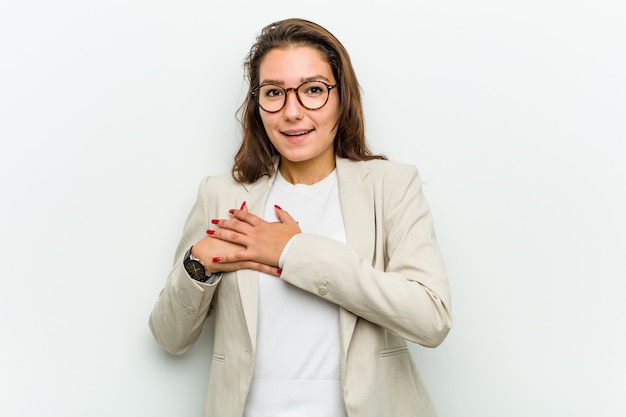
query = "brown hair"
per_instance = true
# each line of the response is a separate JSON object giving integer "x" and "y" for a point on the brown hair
{"x": 255, "y": 157}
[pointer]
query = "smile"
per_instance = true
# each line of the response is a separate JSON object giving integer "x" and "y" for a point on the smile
{"x": 298, "y": 133}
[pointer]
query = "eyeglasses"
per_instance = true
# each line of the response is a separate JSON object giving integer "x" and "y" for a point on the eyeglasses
{"x": 312, "y": 95}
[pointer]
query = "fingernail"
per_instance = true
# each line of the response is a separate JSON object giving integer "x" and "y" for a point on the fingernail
{"x": 215, "y": 221}
{"x": 231, "y": 211}
{"x": 279, "y": 271}
{"x": 277, "y": 206}
{"x": 210, "y": 232}
{"x": 217, "y": 259}
{"x": 243, "y": 206}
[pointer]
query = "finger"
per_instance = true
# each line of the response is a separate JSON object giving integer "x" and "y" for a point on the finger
{"x": 283, "y": 216}
{"x": 241, "y": 260}
{"x": 233, "y": 224}
{"x": 230, "y": 235}
{"x": 240, "y": 256}
{"x": 257, "y": 266}
{"x": 270, "y": 270}
{"x": 245, "y": 216}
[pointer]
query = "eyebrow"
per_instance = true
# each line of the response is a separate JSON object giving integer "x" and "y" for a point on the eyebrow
{"x": 302, "y": 80}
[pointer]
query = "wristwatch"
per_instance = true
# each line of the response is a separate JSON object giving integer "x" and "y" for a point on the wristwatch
{"x": 196, "y": 270}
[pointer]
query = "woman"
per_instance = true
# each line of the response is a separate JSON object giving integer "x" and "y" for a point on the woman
{"x": 317, "y": 258}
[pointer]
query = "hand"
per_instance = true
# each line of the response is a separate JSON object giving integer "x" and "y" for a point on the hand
{"x": 209, "y": 248}
{"x": 263, "y": 241}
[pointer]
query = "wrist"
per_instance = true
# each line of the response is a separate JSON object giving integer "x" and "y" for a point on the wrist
{"x": 197, "y": 271}
{"x": 283, "y": 254}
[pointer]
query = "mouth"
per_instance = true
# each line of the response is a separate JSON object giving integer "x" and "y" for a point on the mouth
{"x": 296, "y": 133}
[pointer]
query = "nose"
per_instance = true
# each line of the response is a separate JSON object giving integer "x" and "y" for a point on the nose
{"x": 293, "y": 109}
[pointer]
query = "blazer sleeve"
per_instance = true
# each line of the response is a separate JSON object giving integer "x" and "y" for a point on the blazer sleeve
{"x": 183, "y": 304}
{"x": 408, "y": 292}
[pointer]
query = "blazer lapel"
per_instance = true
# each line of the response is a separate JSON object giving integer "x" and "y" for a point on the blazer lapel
{"x": 357, "y": 205}
{"x": 248, "y": 279}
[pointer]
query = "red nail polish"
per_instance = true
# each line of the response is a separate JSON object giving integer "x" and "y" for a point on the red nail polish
{"x": 217, "y": 259}
{"x": 210, "y": 232}
{"x": 215, "y": 221}
{"x": 277, "y": 206}
{"x": 231, "y": 211}
{"x": 243, "y": 206}
{"x": 279, "y": 271}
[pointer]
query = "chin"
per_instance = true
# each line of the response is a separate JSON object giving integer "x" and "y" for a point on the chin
{"x": 293, "y": 155}
{"x": 294, "y": 158}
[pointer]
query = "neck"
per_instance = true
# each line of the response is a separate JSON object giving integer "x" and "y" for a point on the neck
{"x": 307, "y": 172}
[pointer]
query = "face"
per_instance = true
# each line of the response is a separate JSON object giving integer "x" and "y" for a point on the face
{"x": 301, "y": 136}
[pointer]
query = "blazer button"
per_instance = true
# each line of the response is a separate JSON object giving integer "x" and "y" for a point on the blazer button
{"x": 190, "y": 309}
{"x": 322, "y": 291}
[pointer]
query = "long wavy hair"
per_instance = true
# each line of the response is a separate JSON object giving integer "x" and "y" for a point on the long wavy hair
{"x": 256, "y": 155}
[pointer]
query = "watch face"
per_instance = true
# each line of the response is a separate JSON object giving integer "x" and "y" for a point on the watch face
{"x": 195, "y": 270}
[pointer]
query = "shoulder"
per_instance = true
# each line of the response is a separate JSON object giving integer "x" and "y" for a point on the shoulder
{"x": 225, "y": 180}
{"x": 380, "y": 167}
{"x": 378, "y": 170}
{"x": 219, "y": 185}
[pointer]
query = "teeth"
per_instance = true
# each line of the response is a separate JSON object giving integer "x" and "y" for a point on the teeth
{"x": 304, "y": 132}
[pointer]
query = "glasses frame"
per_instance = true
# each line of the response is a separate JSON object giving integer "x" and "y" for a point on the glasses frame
{"x": 255, "y": 94}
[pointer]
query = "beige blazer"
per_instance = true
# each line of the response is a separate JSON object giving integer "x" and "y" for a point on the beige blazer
{"x": 389, "y": 281}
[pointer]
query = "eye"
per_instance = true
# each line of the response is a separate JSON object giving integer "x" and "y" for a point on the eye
{"x": 314, "y": 89}
{"x": 272, "y": 91}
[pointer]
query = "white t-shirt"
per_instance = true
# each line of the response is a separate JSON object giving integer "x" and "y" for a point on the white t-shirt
{"x": 297, "y": 365}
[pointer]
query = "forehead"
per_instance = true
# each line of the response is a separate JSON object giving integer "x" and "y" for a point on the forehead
{"x": 294, "y": 64}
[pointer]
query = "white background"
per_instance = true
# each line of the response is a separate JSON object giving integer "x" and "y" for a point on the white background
{"x": 112, "y": 111}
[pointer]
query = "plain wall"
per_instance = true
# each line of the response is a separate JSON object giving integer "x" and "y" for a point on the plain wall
{"x": 112, "y": 111}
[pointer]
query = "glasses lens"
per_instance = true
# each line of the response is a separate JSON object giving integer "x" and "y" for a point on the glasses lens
{"x": 271, "y": 97}
{"x": 312, "y": 95}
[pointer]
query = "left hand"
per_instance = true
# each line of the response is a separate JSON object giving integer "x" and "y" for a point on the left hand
{"x": 263, "y": 241}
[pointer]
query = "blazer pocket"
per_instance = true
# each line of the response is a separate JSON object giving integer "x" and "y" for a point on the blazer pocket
{"x": 218, "y": 357}
{"x": 393, "y": 351}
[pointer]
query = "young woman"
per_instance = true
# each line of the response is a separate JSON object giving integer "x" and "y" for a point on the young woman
{"x": 317, "y": 258}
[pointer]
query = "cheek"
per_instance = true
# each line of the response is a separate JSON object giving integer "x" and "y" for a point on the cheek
{"x": 333, "y": 122}
{"x": 333, "y": 117}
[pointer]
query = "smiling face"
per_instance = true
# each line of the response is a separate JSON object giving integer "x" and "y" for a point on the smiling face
{"x": 303, "y": 138}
